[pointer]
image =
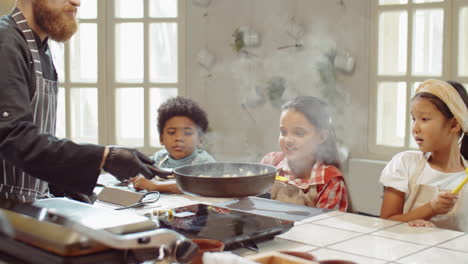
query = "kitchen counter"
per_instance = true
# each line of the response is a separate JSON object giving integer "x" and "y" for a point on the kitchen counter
{"x": 362, "y": 239}
{"x": 369, "y": 240}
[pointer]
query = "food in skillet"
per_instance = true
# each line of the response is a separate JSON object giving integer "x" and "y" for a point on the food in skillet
{"x": 241, "y": 174}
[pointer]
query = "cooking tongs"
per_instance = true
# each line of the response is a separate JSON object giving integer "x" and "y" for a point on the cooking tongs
{"x": 147, "y": 198}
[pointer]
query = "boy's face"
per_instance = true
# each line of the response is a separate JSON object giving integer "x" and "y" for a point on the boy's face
{"x": 180, "y": 137}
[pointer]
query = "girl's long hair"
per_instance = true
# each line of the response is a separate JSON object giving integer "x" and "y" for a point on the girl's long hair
{"x": 319, "y": 115}
{"x": 443, "y": 108}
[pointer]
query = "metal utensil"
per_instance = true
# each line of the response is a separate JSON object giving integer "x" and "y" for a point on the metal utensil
{"x": 296, "y": 45}
{"x": 147, "y": 198}
{"x": 225, "y": 179}
{"x": 163, "y": 173}
{"x": 218, "y": 179}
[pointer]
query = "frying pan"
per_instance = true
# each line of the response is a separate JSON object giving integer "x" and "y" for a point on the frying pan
{"x": 219, "y": 179}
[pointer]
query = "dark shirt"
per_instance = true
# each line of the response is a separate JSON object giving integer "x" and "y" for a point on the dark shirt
{"x": 74, "y": 167}
{"x": 48, "y": 68}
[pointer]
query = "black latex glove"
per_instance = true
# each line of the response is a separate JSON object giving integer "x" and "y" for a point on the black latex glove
{"x": 125, "y": 163}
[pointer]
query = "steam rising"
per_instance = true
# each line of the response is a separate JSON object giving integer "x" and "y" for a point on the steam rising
{"x": 262, "y": 78}
{"x": 282, "y": 74}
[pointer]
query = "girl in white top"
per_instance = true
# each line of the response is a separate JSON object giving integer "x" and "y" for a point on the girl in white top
{"x": 418, "y": 184}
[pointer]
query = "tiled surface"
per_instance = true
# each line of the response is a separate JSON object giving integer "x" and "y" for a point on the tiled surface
{"x": 320, "y": 217}
{"x": 329, "y": 254}
{"x": 277, "y": 244}
{"x": 317, "y": 235}
{"x": 459, "y": 243}
{"x": 436, "y": 256}
{"x": 356, "y": 223}
{"x": 420, "y": 235}
{"x": 362, "y": 239}
{"x": 378, "y": 247}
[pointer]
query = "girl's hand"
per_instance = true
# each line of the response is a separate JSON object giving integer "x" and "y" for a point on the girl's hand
{"x": 141, "y": 183}
{"x": 443, "y": 202}
{"x": 421, "y": 223}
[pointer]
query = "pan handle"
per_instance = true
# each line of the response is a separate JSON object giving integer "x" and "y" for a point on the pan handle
{"x": 160, "y": 172}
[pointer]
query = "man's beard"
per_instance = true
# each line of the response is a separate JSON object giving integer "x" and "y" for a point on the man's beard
{"x": 54, "y": 22}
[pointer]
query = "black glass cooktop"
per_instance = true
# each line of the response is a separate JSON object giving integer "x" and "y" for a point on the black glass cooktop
{"x": 235, "y": 228}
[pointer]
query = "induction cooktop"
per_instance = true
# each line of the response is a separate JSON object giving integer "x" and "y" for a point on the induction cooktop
{"x": 235, "y": 228}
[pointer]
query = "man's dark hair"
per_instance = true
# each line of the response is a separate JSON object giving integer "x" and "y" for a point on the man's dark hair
{"x": 182, "y": 106}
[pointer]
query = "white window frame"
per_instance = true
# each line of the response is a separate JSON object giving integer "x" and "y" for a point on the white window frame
{"x": 449, "y": 68}
{"x": 106, "y": 82}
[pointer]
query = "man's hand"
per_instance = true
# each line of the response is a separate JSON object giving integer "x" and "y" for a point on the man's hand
{"x": 125, "y": 163}
{"x": 443, "y": 202}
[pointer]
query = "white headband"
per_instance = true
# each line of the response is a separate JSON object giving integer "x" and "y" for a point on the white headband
{"x": 449, "y": 95}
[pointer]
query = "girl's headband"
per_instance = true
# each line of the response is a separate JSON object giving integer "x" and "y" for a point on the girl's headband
{"x": 449, "y": 95}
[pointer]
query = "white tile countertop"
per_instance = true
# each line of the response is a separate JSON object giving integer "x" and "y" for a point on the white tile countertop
{"x": 346, "y": 236}
{"x": 166, "y": 201}
{"x": 365, "y": 239}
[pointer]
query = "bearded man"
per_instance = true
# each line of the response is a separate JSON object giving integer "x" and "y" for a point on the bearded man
{"x": 30, "y": 155}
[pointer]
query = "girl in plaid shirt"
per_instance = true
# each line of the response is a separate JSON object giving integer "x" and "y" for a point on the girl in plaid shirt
{"x": 308, "y": 161}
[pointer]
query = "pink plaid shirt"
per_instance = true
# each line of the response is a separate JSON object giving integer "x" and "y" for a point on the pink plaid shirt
{"x": 327, "y": 179}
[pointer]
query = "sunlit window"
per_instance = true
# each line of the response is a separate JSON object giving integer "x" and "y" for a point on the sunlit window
{"x": 129, "y": 65}
{"x": 428, "y": 30}
{"x": 129, "y": 112}
{"x": 84, "y": 114}
{"x": 391, "y": 113}
{"x": 414, "y": 41}
{"x": 463, "y": 42}
{"x": 116, "y": 70}
{"x": 393, "y": 36}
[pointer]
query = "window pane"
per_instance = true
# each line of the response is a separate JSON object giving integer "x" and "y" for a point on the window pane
{"x": 129, "y": 117}
{"x": 163, "y": 8}
{"x": 427, "y": 1}
{"x": 412, "y": 143}
{"x": 83, "y": 55}
{"x": 415, "y": 86}
{"x": 129, "y": 8}
{"x": 157, "y": 97}
{"x": 58, "y": 55}
{"x": 60, "y": 129}
{"x": 391, "y": 114}
{"x": 428, "y": 42}
{"x": 88, "y": 9}
{"x": 392, "y": 2}
{"x": 84, "y": 114}
{"x": 463, "y": 43}
{"x": 163, "y": 52}
{"x": 129, "y": 52}
{"x": 393, "y": 34}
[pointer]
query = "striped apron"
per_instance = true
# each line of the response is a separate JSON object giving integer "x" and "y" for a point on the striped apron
{"x": 17, "y": 184}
